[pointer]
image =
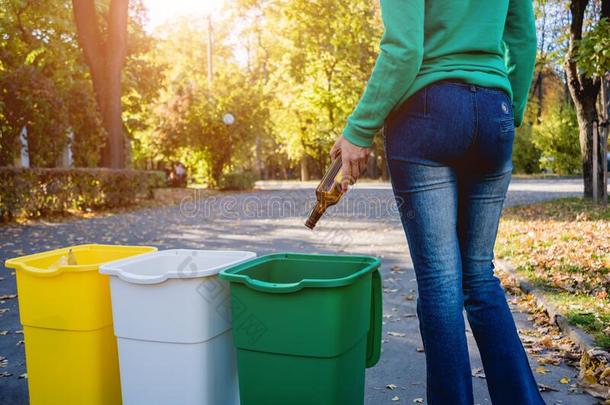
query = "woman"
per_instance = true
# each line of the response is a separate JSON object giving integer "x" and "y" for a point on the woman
{"x": 449, "y": 87}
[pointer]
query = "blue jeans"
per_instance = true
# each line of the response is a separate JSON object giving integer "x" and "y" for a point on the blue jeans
{"x": 449, "y": 150}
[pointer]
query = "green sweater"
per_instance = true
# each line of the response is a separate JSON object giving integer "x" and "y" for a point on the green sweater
{"x": 488, "y": 43}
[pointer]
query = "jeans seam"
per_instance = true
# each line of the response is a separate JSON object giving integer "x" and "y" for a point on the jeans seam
{"x": 418, "y": 161}
{"x": 425, "y": 101}
{"x": 475, "y": 120}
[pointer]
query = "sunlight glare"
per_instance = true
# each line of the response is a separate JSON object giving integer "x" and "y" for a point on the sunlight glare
{"x": 161, "y": 11}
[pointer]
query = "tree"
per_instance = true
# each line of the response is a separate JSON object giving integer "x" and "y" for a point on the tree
{"x": 44, "y": 85}
{"x": 313, "y": 58}
{"x": 187, "y": 120}
{"x": 584, "y": 89}
{"x": 105, "y": 56}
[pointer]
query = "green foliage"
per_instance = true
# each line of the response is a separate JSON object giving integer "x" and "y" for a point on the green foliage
{"x": 45, "y": 84}
{"x": 329, "y": 51}
{"x": 196, "y": 162}
{"x": 39, "y": 192}
{"x": 526, "y": 156}
{"x": 237, "y": 181}
{"x": 187, "y": 124}
{"x": 37, "y": 44}
{"x": 557, "y": 139}
{"x": 594, "y": 50}
{"x": 289, "y": 71}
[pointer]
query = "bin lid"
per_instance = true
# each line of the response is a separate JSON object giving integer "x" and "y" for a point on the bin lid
{"x": 157, "y": 267}
{"x": 88, "y": 258}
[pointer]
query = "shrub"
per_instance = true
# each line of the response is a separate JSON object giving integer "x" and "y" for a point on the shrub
{"x": 557, "y": 138}
{"x": 237, "y": 181}
{"x": 526, "y": 157}
{"x": 39, "y": 192}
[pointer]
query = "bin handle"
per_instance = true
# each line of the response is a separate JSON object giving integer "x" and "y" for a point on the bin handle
{"x": 373, "y": 351}
{"x": 265, "y": 286}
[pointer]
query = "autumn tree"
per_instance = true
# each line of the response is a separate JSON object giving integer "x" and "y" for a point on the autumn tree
{"x": 187, "y": 121}
{"x": 316, "y": 57}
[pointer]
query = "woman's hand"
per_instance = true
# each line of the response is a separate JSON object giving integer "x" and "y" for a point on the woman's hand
{"x": 353, "y": 160}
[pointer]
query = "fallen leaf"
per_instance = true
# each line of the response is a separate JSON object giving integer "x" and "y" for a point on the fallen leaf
{"x": 605, "y": 374}
{"x": 546, "y": 342}
{"x": 597, "y": 390}
{"x": 546, "y": 388}
{"x": 542, "y": 370}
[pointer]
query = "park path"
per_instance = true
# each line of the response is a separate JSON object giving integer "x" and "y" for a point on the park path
{"x": 271, "y": 220}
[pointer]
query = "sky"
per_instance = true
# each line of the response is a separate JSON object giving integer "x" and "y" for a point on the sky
{"x": 161, "y": 11}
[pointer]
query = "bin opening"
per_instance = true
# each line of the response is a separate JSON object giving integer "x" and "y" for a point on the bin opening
{"x": 283, "y": 272}
{"x": 280, "y": 272}
{"x": 178, "y": 263}
{"x": 185, "y": 264}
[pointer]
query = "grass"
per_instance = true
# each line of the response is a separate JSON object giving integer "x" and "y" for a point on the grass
{"x": 563, "y": 247}
{"x": 586, "y": 312}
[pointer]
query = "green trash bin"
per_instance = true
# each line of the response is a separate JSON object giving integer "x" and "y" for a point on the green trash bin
{"x": 305, "y": 327}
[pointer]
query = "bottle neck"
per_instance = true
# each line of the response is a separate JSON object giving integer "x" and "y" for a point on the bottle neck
{"x": 315, "y": 216}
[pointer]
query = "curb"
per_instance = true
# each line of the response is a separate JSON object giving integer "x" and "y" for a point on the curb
{"x": 585, "y": 341}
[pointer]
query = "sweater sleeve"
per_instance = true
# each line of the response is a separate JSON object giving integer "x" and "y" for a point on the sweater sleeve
{"x": 520, "y": 46}
{"x": 397, "y": 65}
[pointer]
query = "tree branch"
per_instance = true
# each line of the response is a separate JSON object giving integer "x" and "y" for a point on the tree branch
{"x": 117, "y": 35}
{"x": 91, "y": 41}
{"x": 577, "y": 9}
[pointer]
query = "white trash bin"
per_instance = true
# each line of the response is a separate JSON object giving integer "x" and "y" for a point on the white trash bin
{"x": 173, "y": 326}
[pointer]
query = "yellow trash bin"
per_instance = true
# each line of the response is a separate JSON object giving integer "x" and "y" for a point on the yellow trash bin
{"x": 65, "y": 310}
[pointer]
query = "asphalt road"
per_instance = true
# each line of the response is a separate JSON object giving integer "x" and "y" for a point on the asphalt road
{"x": 271, "y": 220}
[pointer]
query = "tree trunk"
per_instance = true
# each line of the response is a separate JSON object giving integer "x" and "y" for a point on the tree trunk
{"x": 584, "y": 92}
{"x": 371, "y": 166}
{"x": 304, "y": 168}
{"x": 106, "y": 58}
{"x": 587, "y": 115}
{"x": 385, "y": 173}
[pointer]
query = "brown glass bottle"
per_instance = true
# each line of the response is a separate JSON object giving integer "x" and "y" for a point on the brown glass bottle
{"x": 328, "y": 193}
